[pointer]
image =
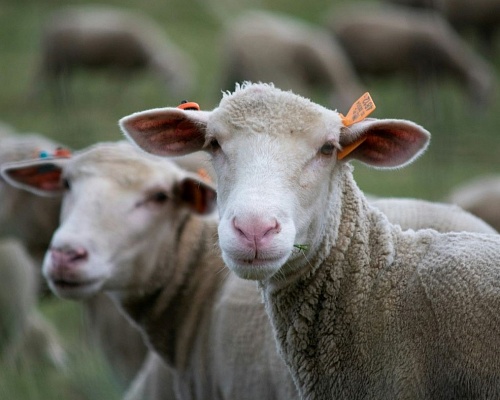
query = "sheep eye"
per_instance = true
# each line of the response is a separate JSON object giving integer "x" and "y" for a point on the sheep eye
{"x": 159, "y": 197}
{"x": 327, "y": 149}
{"x": 214, "y": 145}
{"x": 65, "y": 184}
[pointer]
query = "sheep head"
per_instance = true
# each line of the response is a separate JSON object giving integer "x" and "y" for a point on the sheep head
{"x": 276, "y": 158}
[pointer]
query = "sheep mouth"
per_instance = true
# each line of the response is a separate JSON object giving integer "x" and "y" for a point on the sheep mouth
{"x": 255, "y": 268}
{"x": 68, "y": 286}
{"x": 257, "y": 262}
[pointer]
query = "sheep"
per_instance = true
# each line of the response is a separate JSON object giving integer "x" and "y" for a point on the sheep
{"x": 360, "y": 309}
{"x": 32, "y": 220}
{"x": 408, "y": 213}
{"x": 24, "y": 332}
{"x": 419, "y": 44}
{"x": 104, "y": 37}
{"x": 420, "y": 214}
{"x": 130, "y": 227}
{"x": 480, "y": 16}
{"x": 481, "y": 197}
{"x": 264, "y": 46}
{"x": 27, "y": 217}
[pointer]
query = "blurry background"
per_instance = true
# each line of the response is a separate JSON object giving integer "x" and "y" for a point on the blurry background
{"x": 82, "y": 106}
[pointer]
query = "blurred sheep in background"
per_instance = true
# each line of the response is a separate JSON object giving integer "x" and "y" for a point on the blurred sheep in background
{"x": 390, "y": 40}
{"x": 481, "y": 197}
{"x": 23, "y": 215}
{"x": 25, "y": 335}
{"x": 26, "y": 226}
{"x": 101, "y": 37}
{"x": 271, "y": 47}
{"x": 32, "y": 220}
{"x": 479, "y": 16}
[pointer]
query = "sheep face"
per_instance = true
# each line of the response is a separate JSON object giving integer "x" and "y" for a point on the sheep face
{"x": 275, "y": 156}
{"x": 114, "y": 202}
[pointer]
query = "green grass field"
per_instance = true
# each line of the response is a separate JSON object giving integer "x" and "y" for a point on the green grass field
{"x": 465, "y": 142}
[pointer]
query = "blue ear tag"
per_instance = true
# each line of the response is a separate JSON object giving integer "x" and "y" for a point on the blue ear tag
{"x": 60, "y": 152}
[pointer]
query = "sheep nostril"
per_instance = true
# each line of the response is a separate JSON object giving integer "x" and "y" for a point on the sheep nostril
{"x": 68, "y": 257}
{"x": 79, "y": 254}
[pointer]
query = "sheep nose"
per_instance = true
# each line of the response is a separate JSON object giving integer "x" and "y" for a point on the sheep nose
{"x": 257, "y": 232}
{"x": 67, "y": 257}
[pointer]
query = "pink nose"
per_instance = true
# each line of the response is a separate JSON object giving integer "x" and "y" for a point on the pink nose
{"x": 256, "y": 232}
{"x": 67, "y": 257}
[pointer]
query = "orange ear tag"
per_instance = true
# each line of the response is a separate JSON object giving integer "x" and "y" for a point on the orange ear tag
{"x": 189, "y": 105}
{"x": 203, "y": 173}
{"x": 361, "y": 108}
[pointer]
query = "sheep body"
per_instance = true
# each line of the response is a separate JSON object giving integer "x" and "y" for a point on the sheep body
{"x": 363, "y": 310}
{"x": 480, "y": 197}
{"x": 481, "y": 16}
{"x": 98, "y": 37}
{"x": 265, "y": 46}
{"x": 420, "y": 214}
{"x": 24, "y": 332}
{"x": 383, "y": 41}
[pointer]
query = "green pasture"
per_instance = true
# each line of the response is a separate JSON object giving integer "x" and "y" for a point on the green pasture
{"x": 465, "y": 141}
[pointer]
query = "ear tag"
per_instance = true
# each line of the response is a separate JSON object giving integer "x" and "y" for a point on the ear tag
{"x": 361, "y": 108}
{"x": 204, "y": 175}
{"x": 189, "y": 105}
{"x": 60, "y": 152}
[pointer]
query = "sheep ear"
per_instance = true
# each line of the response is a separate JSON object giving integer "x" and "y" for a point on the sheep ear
{"x": 166, "y": 131}
{"x": 41, "y": 177}
{"x": 198, "y": 196}
{"x": 383, "y": 143}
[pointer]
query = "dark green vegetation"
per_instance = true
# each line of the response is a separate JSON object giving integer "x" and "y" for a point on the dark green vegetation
{"x": 465, "y": 143}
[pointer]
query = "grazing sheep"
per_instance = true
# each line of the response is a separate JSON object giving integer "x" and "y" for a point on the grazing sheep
{"x": 419, "y": 44}
{"x": 24, "y": 333}
{"x": 482, "y": 16}
{"x": 129, "y": 227}
{"x": 265, "y": 46}
{"x": 360, "y": 308}
{"x": 480, "y": 197}
{"x": 420, "y": 214}
{"x": 102, "y": 37}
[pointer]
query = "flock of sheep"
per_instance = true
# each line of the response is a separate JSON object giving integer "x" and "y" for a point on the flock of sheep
{"x": 355, "y": 42}
{"x": 240, "y": 260}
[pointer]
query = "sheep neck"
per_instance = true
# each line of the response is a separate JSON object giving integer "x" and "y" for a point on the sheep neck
{"x": 177, "y": 304}
{"x": 302, "y": 312}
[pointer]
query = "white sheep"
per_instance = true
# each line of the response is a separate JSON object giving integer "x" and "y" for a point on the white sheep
{"x": 420, "y": 214}
{"x": 105, "y": 37}
{"x": 129, "y": 227}
{"x": 153, "y": 379}
{"x": 481, "y": 197}
{"x": 360, "y": 308}
{"x": 266, "y": 46}
{"x": 32, "y": 220}
{"x": 395, "y": 41}
{"x": 482, "y": 16}
{"x": 25, "y": 335}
